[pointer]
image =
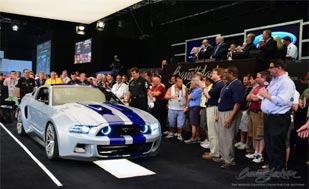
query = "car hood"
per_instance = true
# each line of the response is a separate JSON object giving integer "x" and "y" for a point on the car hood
{"x": 106, "y": 114}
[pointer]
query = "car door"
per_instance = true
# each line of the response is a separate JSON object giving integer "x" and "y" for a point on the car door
{"x": 40, "y": 110}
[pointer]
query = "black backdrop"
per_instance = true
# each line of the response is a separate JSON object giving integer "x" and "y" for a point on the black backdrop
{"x": 147, "y": 51}
{"x": 297, "y": 70}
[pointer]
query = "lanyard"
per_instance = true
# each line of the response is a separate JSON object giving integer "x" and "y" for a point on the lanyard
{"x": 226, "y": 86}
{"x": 179, "y": 93}
{"x": 118, "y": 86}
{"x": 27, "y": 82}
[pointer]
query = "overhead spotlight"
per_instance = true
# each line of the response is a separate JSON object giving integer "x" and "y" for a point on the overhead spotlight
{"x": 100, "y": 25}
{"x": 15, "y": 27}
{"x": 80, "y": 29}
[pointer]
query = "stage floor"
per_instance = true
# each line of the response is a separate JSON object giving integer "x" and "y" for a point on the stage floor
{"x": 178, "y": 165}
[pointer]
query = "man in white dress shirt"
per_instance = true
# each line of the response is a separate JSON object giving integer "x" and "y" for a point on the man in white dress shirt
{"x": 120, "y": 89}
{"x": 10, "y": 82}
{"x": 292, "y": 51}
{"x": 64, "y": 77}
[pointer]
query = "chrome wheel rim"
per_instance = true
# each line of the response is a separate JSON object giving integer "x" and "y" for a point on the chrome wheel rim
{"x": 50, "y": 141}
{"x": 19, "y": 125}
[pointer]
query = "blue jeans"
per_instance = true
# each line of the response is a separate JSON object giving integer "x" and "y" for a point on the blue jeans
{"x": 176, "y": 118}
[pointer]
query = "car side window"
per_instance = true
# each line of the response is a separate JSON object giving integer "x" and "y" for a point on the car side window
{"x": 43, "y": 95}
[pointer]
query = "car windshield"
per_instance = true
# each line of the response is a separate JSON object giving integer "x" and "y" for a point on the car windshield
{"x": 64, "y": 95}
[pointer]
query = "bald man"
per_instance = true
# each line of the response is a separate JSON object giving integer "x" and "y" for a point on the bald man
{"x": 157, "y": 93}
{"x": 220, "y": 50}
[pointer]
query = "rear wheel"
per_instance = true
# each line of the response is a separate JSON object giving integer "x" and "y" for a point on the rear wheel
{"x": 19, "y": 126}
{"x": 51, "y": 142}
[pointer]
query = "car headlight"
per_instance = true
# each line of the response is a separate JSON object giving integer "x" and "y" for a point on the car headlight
{"x": 82, "y": 129}
{"x": 155, "y": 128}
{"x": 144, "y": 129}
{"x": 106, "y": 130}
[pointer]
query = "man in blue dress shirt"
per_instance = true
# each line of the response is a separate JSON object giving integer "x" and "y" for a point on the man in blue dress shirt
{"x": 194, "y": 110}
{"x": 276, "y": 105}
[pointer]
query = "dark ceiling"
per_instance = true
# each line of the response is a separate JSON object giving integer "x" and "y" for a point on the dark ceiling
{"x": 149, "y": 25}
{"x": 153, "y": 17}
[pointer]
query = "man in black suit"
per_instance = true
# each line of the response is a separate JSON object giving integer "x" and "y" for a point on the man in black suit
{"x": 220, "y": 50}
{"x": 244, "y": 50}
{"x": 249, "y": 44}
{"x": 268, "y": 47}
{"x": 116, "y": 66}
{"x": 206, "y": 50}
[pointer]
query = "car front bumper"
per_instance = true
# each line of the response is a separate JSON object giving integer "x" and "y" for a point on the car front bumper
{"x": 81, "y": 146}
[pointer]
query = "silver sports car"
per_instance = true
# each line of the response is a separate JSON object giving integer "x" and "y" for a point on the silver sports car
{"x": 82, "y": 122}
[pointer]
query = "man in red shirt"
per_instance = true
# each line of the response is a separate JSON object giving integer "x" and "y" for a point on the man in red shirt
{"x": 256, "y": 123}
{"x": 156, "y": 94}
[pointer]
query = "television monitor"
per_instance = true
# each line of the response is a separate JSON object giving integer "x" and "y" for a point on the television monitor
{"x": 43, "y": 53}
{"x": 83, "y": 52}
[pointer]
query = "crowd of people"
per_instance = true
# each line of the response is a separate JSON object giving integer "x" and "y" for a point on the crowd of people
{"x": 268, "y": 48}
{"x": 260, "y": 107}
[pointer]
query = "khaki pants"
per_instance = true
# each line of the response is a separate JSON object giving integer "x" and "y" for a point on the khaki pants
{"x": 256, "y": 124}
{"x": 227, "y": 135}
{"x": 212, "y": 125}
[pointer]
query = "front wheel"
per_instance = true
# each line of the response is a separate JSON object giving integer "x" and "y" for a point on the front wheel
{"x": 51, "y": 142}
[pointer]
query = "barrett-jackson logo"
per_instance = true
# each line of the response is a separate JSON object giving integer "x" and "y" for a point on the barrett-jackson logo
{"x": 187, "y": 74}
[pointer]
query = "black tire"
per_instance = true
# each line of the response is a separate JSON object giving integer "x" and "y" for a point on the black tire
{"x": 156, "y": 153}
{"x": 51, "y": 142}
{"x": 19, "y": 125}
{"x": 7, "y": 116}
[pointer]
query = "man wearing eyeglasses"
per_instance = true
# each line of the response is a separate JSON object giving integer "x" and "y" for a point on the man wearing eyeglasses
{"x": 276, "y": 105}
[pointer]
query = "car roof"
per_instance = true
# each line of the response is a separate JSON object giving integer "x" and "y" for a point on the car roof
{"x": 68, "y": 86}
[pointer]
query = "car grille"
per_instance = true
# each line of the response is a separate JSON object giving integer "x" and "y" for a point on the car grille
{"x": 131, "y": 149}
{"x": 120, "y": 130}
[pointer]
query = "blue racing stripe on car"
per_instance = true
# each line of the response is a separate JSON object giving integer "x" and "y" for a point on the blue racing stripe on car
{"x": 139, "y": 139}
{"x": 134, "y": 117}
{"x": 117, "y": 140}
{"x": 107, "y": 114}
